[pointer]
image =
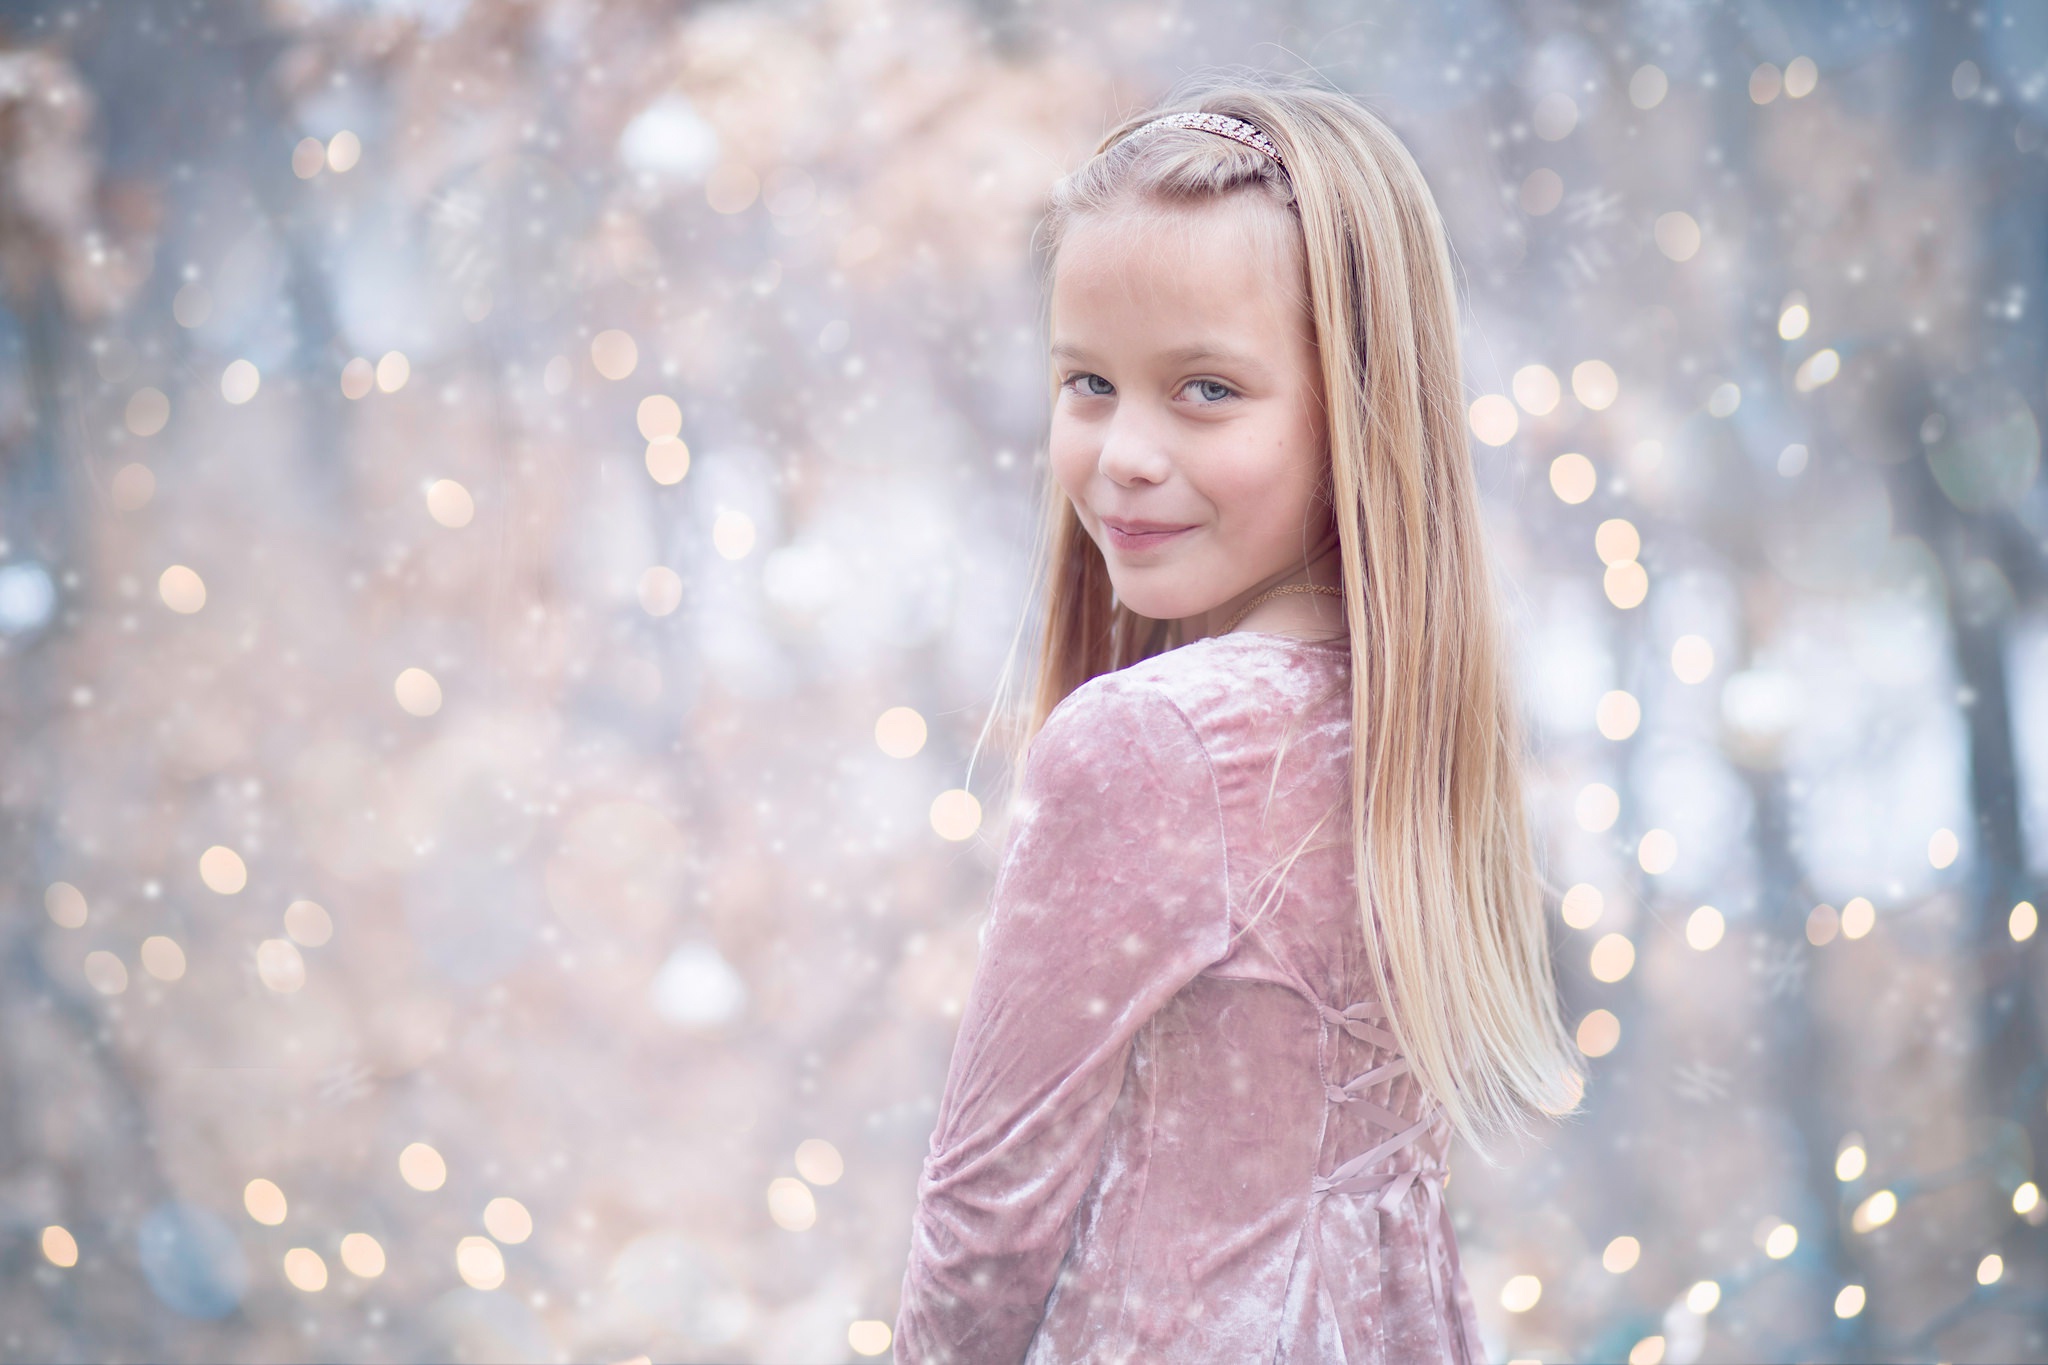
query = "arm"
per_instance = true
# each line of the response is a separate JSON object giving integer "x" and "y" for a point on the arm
{"x": 1111, "y": 897}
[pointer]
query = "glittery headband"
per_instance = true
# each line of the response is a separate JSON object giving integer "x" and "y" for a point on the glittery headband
{"x": 1223, "y": 125}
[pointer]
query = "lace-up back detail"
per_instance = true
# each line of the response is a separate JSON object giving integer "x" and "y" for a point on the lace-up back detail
{"x": 1377, "y": 1175}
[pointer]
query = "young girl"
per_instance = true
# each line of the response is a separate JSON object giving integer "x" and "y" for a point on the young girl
{"x": 1267, "y": 928}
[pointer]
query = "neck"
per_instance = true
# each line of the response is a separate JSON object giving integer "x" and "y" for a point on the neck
{"x": 1304, "y": 615}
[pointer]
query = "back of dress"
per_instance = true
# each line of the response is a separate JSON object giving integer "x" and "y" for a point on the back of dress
{"x": 1175, "y": 1126}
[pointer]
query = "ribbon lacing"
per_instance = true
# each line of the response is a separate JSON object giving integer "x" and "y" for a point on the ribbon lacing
{"x": 1387, "y": 1188}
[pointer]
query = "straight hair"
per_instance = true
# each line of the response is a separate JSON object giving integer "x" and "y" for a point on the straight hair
{"x": 1458, "y": 946}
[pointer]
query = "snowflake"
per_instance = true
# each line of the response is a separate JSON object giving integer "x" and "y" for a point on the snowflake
{"x": 343, "y": 1083}
{"x": 1701, "y": 1083}
{"x": 1781, "y": 964}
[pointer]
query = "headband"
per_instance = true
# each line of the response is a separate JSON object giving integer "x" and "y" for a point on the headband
{"x": 1223, "y": 125}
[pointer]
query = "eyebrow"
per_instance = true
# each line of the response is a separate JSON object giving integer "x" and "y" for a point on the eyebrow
{"x": 1180, "y": 355}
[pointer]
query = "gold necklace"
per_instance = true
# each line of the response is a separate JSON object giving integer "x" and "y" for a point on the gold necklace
{"x": 1323, "y": 588}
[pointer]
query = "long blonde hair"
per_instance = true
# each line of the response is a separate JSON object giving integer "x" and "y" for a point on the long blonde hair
{"x": 1438, "y": 829}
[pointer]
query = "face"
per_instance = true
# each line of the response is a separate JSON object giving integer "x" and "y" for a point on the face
{"x": 1188, "y": 427}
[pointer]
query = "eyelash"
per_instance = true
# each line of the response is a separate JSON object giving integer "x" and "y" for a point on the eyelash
{"x": 1228, "y": 392}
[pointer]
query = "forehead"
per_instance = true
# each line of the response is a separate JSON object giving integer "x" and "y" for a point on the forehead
{"x": 1236, "y": 257}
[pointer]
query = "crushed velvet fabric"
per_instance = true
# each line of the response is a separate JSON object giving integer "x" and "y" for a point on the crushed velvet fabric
{"x": 1175, "y": 1127}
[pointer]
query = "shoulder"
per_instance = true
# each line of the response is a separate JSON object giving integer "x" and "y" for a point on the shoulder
{"x": 1227, "y": 690}
{"x": 1124, "y": 730}
{"x": 1183, "y": 682}
{"x": 1119, "y": 769}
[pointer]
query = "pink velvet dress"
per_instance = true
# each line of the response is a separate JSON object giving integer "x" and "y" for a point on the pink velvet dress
{"x": 1175, "y": 1127}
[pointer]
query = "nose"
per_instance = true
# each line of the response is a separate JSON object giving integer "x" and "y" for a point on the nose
{"x": 1132, "y": 450}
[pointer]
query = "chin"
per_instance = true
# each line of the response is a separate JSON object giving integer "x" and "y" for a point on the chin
{"x": 1150, "y": 601}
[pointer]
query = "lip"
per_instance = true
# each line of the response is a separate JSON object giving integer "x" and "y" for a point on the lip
{"x": 1132, "y": 535}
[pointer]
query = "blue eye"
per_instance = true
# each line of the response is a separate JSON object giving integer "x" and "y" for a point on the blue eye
{"x": 1214, "y": 391}
{"x": 1088, "y": 382}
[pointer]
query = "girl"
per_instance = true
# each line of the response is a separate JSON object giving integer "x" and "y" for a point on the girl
{"x": 1207, "y": 1072}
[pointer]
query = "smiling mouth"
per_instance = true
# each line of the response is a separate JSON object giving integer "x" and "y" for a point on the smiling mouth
{"x": 1133, "y": 536}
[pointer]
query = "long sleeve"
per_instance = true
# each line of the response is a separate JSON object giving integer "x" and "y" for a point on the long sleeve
{"x": 1111, "y": 896}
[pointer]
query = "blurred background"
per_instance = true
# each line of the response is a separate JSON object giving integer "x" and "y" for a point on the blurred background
{"x": 512, "y": 516}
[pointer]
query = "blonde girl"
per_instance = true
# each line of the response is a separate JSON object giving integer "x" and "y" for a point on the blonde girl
{"x": 1267, "y": 930}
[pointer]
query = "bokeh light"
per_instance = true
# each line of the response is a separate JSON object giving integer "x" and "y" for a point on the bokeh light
{"x": 1618, "y": 715}
{"x": 148, "y": 411}
{"x": 900, "y": 732}
{"x": 1617, "y": 541}
{"x": 133, "y": 486}
{"x": 308, "y": 923}
{"x": 1595, "y": 384}
{"x": 791, "y": 1204}
{"x": 106, "y": 972}
{"x": 240, "y": 381}
{"x": 1597, "y": 808}
{"x": 344, "y": 150}
{"x": 659, "y": 418}
{"x": 2023, "y": 921}
{"x": 181, "y": 589}
{"x": 222, "y": 870}
{"x": 1678, "y": 237}
{"x": 479, "y": 1262}
{"x": 65, "y": 905}
{"x": 1537, "y": 390}
{"x": 1823, "y": 923}
{"x": 1582, "y": 905}
{"x": 1859, "y": 917}
{"x": 1874, "y": 1212}
{"x": 418, "y": 692}
{"x": 869, "y": 1336}
{"x": 1493, "y": 419}
{"x": 422, "y": 1167}
{"x": 362, "y": 1255}
{"x": 1647, "y": 86}
{"x": 668, "y": 460}
{"x": 1626, "y": 583}
{"x": 264, "y": 1201}
{"x": 306, "y": 1270}
{"x": 280, "y": 966}
{"x": 661, "y": 590}
{"x": 1573, "y": 478}
{"x": 614, "y": 354}
{"x": 1781, "y": 1241}
{"x": 60, "y": 1248}
{"x": 1521, "y": 1293}
{"x": 162, "y": 958}
{"x": 732, "y": 533}
{"x": 956, "y": 814}
{"x": 1613, "y": 958}
{"x": 819, "y": 1162}
{"x": 506, "y": 1219}
{"x": 1657, "y": 851}
{"x": 1598, "y": 1033}
{"x": 449, "y": 503}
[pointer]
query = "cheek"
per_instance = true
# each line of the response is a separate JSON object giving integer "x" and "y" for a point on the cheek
{"x": 1073, "y": 454}
{"x": 1263, "y": 487}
